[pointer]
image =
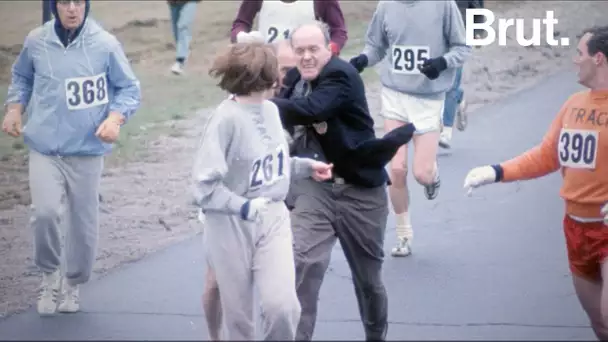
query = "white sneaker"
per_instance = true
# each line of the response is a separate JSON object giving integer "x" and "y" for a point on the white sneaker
{"x": 445, "y": 138}
{"x": 462, "y": 117}
{"x": 49, "y": 291}
{"x": 402, "y": 249}
{"x": 69, "y": 298}
{"x": 177, "y": 68}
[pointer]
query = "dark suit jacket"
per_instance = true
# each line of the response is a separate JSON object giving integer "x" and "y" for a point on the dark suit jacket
{"x": 338, "y": 100}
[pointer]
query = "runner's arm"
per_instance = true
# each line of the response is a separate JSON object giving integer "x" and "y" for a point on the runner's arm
{"x": 301, "y": 167}
{"x": 22, "y": 83}
{"x": 454, "y": 31}
{"x": 537, "y": 162}
{"x": 323, "y": 103}
{"x": 329, "y": 12}
{"x": 210, "y": 168}
{"x": 127, "y": 90}
{"x": 376, "y": 42}
{"x": 244, "y": 17}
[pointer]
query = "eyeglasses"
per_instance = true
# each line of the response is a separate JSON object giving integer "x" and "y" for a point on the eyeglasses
{"x": 68, "y": 2}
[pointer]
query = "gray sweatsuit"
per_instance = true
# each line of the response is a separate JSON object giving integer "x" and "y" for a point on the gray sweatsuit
{"x": 409, "y": 31}
{"x": 243, "y": 154}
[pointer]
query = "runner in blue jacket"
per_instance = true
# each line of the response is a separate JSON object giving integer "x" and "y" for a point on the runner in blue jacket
{"x": 78, "y": 87}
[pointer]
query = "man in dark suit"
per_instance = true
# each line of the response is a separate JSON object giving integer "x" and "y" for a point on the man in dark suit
{"x": 323, "y": 105}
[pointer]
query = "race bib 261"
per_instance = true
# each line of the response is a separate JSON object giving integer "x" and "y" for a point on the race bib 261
{"x": 407, "y": 58}
{"x": 577, "y": 148}
{"x": 268, "y": 169}
{"x": 86, "y": 92}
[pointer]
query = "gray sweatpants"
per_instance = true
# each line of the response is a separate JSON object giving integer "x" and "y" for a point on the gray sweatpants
{"x": 247, "y": 256}
{"x": 71, "y": 183}
{"x": 324, "y": 213}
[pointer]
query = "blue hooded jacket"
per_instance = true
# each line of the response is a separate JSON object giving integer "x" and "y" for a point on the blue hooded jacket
{"x": 70, "y": 82}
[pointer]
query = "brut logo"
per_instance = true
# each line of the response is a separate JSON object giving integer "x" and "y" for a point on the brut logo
{"x": 503, "y": 26}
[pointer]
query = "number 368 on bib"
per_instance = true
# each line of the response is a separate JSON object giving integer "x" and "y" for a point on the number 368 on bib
{"x": 86, "y": 92}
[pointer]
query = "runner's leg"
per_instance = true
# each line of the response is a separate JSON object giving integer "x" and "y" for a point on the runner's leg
{"x": 212, "y": 305}
{"x": 274, "y": 275}
{"x": 223, "y": 236}
{"x": 313, "y": 239}
{"x": 394, "y": 117}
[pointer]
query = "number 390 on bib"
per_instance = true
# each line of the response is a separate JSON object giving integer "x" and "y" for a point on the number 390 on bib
{"x": 577, "y": 148}
{"x": 86, "y": 92}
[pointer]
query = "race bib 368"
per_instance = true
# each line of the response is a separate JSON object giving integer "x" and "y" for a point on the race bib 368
{"x": 86, "y": 92}
{"x": 577, "y": 148}
{"x": 407, "y": 58}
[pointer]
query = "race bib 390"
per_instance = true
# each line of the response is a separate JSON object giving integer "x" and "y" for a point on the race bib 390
{"x": 408, "y": 58}
{"x": 86, "y": 92}
{"x": 577, "y": 148}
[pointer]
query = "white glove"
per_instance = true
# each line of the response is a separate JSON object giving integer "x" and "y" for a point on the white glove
{"x": 251, "y": 37}
{"x": 252, "y": 208}
{"x": 479, "y": 176}
{"x": 605, "y": 212}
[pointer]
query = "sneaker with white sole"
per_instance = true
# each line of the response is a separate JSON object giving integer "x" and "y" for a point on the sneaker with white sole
{"x": 445, "y": 138}
{"x": 432, "y": 190}
{"x": 462, "y": 117}
{"x": 402, "y": 249}
{"x": 69, "y": 298}
{"x": 177, "y": 68}
{"x": 49, "y": 291}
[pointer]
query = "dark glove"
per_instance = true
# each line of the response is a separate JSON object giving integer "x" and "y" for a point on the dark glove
{"x": 378, "y": 152}
{"x": 433, "y": 67}
{"x": 359, "y": 62}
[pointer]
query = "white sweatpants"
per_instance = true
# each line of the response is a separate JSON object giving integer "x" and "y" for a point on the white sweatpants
{"x": 71, "y": 183}
{"x": 248, "y": 256}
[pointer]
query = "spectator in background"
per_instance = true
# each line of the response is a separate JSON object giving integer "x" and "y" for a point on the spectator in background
{"x": 455, "y": 104}
{"x": 182, "y": 16}
{"x": 278, "y": 18}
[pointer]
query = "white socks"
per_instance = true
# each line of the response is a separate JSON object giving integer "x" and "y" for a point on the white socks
{"x": 404, "y": 226}
{"x": 447, "y": 133}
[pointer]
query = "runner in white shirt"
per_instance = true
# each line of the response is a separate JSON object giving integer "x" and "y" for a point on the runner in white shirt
{"x": 278, "y": 18}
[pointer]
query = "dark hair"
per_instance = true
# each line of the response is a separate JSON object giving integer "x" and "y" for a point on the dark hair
{"x": 245, "y": 68}
{"x": 598, "y": 41}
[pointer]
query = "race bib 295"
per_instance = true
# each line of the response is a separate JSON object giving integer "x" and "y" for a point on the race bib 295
{"x": 577, "y": 148}
{"x": 407, "y": 58}
{"x": 86, "y": 92}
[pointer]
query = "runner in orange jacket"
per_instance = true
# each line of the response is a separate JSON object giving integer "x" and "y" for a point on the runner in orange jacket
{"x": 576, "y": 144}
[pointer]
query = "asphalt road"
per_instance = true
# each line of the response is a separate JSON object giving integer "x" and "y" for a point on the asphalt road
{"x": 489, "y": 267}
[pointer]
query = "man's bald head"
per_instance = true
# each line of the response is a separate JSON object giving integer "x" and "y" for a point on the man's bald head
{"x": 313, "y": 28}
{"x": 310, "y": 43}
{"x": 286, "y": 58}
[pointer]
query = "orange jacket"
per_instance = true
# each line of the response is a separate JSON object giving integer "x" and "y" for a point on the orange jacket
{"x": 577, "y": 142}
